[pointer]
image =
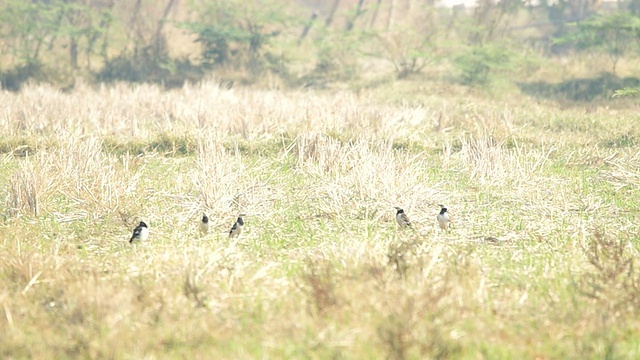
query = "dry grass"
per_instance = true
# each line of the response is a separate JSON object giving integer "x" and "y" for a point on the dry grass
{"x": 540, "y": 262}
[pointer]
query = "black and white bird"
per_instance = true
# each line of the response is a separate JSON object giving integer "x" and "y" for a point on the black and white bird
{"x": 140, "y": 233}
{"x": 236, "y": 229}
{"x": 443, "y": 218}
{"x": 402, "y": 218}
{"x": 204, "y": 225}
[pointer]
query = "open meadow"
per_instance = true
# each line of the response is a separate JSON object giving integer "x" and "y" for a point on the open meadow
{"x": 541, "y": 263}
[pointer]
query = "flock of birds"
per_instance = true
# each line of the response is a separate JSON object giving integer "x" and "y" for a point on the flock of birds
{"x": 443, "y": 218}
{"x": 141, "y": 232}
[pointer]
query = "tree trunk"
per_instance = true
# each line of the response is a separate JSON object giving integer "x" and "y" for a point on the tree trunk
{"x": 375, "y": 14}
{"x": 135, "y": 32}
{"x": 352, "y": 20}
{"x": 332, "y": 13}
{"x": 73, "y": 52}
{"x": 392, "y": 5}
{"x": 158, "y": 40}
{"x": 634, "y": 7}
{"x": 307, "y": 27}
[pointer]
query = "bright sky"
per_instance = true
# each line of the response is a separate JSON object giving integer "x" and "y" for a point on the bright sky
{"x": 451, "y": 3}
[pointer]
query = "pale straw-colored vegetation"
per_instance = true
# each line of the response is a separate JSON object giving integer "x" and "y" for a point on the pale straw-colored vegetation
{"x": 542, "y": 262}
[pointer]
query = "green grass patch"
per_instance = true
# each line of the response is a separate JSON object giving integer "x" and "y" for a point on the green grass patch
{"x": 165, "y": 144}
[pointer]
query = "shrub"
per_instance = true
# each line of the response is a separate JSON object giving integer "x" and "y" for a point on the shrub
{"x": 479, "y": 65}
{"x": 237, "y": 33}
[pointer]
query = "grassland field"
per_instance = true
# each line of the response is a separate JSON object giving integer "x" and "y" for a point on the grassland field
{"x": 542, "y": 261}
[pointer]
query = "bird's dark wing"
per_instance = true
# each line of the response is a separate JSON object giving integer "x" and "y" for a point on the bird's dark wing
{"x": 136, "y": 233}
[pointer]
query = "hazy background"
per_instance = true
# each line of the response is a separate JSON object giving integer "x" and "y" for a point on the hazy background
{"x": 573, "y": 50}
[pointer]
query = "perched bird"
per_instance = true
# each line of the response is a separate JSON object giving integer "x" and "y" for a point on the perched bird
{"x": 236, "y": 229}
{"x": 204, "y": 224}
{"x": 140, "y": 233}
{"x": 402, "y": 218}
{"x": 443, "y": 218}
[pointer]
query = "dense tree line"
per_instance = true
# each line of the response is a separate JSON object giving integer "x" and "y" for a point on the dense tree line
{"x": 304, "y": 43}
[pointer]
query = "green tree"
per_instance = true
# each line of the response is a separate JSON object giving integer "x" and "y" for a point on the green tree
{"x": 238, "y": 32}
{"x": 478, "y": 65}
{"x": 83, "y": 23}
{"x": 614, "y": 34}
{"x": 27, "y": 28}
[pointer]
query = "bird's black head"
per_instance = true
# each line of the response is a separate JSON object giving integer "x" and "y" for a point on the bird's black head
{"x": 142, "y": 224}
{"x": 205, "y": 219}
{"x": 400, "y": 211}
{"x": 443, "y": 210}
{"x": 240, "y": 221}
